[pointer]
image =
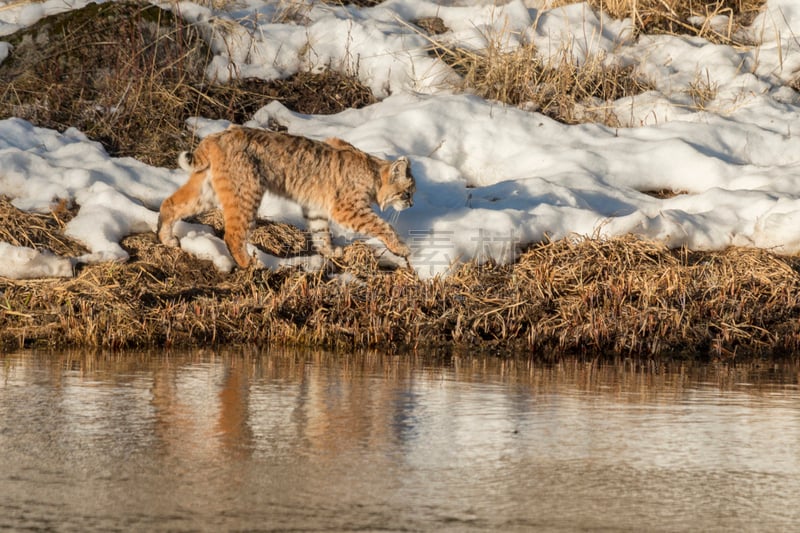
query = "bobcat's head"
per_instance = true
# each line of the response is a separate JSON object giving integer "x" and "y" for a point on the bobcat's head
{"x": 397, "y": 186}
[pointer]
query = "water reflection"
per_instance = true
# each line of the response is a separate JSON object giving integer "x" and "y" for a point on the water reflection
{"x": 251, "y": 440}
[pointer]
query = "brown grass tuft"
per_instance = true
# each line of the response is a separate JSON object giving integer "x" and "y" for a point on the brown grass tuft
{"x": 117, "y": 71}
{"x": 567, "y": 91}
{"x": 572, "y": 91}
{"x": 35, "y": 230}
{"x": 682, "y": 17}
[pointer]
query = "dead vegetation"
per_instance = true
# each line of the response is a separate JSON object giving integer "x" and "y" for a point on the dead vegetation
{"x": 573, "y": 91}
{"x": 718, "y": 21}
{"x": 129, "y": 75}
{"x": 567, "y": 90}
{"x": 34, "y": 230}
{"x": 618, "y": 297}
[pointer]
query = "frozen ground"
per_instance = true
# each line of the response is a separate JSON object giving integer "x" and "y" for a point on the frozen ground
{"x": 490, "y": 177}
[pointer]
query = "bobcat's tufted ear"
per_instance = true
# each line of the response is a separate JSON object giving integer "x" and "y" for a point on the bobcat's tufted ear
{"x": 399, "y": 169}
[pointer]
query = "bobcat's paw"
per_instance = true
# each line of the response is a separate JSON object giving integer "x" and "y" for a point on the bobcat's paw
{"x": 170, "y": 241}
{"x": 332, "y": 252}
{"x": 164, "y": 232}
{"x": 401, "y": 249}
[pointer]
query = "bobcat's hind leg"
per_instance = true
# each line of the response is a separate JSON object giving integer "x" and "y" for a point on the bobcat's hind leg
{"x": 239, "y": 210}
{"x": 194, "y": 197}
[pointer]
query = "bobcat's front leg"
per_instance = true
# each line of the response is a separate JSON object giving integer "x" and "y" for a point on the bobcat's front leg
{"x": 364, "y": 220}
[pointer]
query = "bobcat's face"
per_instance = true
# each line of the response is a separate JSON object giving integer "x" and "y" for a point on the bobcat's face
{"x": 397, "y": 187}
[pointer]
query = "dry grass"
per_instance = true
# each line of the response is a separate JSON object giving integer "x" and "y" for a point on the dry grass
{"x": 683, "y": 17}
{"x": 573, "y": 91}
{"x": 617, "y": 297}
{"x": 567, "y": 90}
{"x": 33, "y": 230}
{"x": 795, "y": 83}
{"x": 702, "y": 90}
{"x": 130, "y": 74}
{"x": 106, "y": 69}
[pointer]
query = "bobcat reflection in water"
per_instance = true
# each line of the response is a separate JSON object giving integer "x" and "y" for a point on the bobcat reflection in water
{"x": 249, "y": 440}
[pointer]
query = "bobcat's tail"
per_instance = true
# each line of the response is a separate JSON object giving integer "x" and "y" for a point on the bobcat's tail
{"x": 194, "y": 162}
{"x": 185, "y": 161}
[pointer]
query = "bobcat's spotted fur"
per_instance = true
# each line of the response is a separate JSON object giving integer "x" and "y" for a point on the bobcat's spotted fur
{"x": 330, "y": 180}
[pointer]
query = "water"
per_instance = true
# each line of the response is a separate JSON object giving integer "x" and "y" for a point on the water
{"x": 277, "y": 441}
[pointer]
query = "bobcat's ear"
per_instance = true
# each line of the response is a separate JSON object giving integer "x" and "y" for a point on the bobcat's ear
{"x": 399, "y": 169}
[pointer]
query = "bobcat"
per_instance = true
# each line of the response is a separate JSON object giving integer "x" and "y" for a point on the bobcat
{"x": 331, "y": 180}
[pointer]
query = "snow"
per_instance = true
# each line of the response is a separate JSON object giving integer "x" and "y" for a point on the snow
{"x": 19, "y": 262}
{"x": 490, "y": 178}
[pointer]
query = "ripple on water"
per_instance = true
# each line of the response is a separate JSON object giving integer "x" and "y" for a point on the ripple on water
{"x": 282, "y": 440}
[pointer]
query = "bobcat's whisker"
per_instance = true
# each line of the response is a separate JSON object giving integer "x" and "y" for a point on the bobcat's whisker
{"x": 394, "y": 217}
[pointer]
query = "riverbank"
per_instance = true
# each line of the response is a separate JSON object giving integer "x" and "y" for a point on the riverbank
{"x": 614, "y": 297}
{"x": 705, "y": 158}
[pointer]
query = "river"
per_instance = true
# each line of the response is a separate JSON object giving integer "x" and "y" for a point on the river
{"x": 284, "y": 440}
